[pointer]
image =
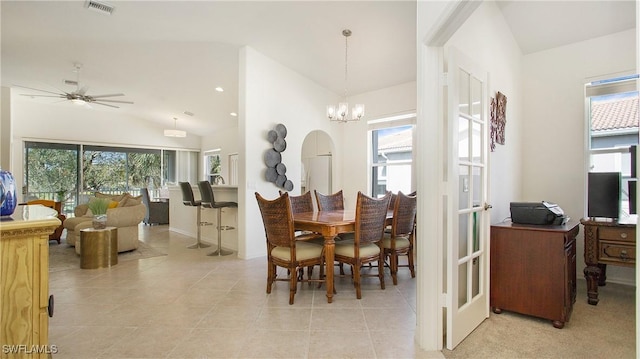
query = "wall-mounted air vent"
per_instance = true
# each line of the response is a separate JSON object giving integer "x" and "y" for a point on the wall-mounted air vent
{"x": 100, "y": 7}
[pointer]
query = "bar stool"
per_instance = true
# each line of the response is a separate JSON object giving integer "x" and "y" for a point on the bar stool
{"x": 188, "y": 200}
{"x": 208, "y": 201}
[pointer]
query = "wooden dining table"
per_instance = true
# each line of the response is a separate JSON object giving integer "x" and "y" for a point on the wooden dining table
{"x": 329, "y": 224}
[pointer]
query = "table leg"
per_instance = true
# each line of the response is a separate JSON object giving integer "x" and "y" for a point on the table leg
{"x": 592, "y": 274}
{"x": 329, "y": 257}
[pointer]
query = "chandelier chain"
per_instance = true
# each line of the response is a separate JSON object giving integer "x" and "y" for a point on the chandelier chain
{"x": 346, "y": 61}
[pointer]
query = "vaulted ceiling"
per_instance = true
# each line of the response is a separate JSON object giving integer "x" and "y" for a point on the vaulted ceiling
{"x": 169, "y": 56}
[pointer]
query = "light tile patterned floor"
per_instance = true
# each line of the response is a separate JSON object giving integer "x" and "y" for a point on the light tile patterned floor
{"x": 189, "y": 305}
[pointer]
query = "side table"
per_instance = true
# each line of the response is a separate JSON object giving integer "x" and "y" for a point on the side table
{"x": 98, "y": 248}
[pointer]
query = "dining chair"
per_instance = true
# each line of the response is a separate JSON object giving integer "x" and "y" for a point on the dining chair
{"x": 189, "y": 200}
{"x": 366, "y": 246}
{"x": 400, "y": 240}
{"x": 329, "y": 202}
{"x": 284, "y": 248}
{"x": 208, "y": 200}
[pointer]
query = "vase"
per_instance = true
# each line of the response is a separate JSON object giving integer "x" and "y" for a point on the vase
{"x": 99, "y": 221}
{"x": 8, "y": 193}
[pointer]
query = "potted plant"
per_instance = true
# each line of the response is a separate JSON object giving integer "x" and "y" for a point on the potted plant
{"x": 98, "y": 207}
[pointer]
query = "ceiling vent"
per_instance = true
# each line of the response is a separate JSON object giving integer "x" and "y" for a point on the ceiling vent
{"x": 100, "y": 7}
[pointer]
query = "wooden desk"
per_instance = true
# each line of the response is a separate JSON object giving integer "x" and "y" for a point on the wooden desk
{"x": 606, "y": 242}
{"x": 329, "y": 224}
{"x": 533, "y": 270}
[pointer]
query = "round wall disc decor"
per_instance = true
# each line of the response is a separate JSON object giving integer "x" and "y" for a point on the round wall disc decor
{"x": 276, "y": 170}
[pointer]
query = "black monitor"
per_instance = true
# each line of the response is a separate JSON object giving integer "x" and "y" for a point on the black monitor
{"x": 604, "y": 190}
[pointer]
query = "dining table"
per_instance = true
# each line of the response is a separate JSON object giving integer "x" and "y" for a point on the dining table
{"x": 329, "y": 224}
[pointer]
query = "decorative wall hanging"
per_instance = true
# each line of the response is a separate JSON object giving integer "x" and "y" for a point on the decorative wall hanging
{"x": 276, "y": 170}
{"x": 498, "y": 117}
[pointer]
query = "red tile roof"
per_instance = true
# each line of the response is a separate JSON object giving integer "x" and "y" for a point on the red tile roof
{"x": 615, "y": 114}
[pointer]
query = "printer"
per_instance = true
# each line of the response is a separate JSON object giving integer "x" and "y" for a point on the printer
{"x": 544, "y": 213}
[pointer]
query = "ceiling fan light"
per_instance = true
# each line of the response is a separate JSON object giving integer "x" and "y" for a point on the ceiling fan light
{"x": 78, "y": 101}
{"x": 175, "y": 133}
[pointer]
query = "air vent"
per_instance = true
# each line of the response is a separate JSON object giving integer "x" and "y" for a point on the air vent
{"x": 71, "y": 82}
{"x": 100, "y": 7}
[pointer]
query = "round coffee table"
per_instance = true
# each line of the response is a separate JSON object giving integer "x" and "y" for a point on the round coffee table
{"x": 98, "y": 248}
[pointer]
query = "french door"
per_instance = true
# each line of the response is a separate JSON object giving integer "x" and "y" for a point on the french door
{"x": 467, "y": 219}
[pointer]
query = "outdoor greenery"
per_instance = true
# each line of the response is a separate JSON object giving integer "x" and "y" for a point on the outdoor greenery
{"x": 51, "y": 170}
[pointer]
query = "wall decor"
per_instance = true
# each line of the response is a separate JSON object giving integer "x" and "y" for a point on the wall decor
{"x": 498, "y": 118}
{"x": 276, "y": 170}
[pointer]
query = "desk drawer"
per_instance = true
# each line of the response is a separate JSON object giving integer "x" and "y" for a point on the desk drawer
{"x": 617, "y": 253}
{"x": 624, "y": 234}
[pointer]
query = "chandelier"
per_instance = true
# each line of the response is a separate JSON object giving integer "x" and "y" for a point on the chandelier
{"x": 340, "y": 113}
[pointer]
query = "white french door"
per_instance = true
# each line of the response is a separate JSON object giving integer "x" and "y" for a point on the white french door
{"x": 467, "y": 215}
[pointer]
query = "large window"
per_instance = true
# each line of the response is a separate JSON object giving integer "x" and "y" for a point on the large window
{"x": 52, "y": 170}
{"x": 612, "y": 116}
{"x": 391, "y": 159}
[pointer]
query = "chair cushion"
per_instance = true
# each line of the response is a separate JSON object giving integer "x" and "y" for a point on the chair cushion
{"x": 346, "y": 248}
{"x": 304, "y": 251}
{"x": 401, "y": 242}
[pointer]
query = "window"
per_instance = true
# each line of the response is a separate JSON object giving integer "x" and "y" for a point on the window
{"x": 213, "y": 166}
{"x": 391, "y": 157}
{"x": 612, "y": 121}
{"x": 71, "y": 172}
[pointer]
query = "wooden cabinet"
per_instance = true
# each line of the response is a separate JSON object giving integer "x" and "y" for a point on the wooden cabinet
{"x": 24, "y": 282}
{"x": 533, "y": 270}
{"x": 606, "y": 242}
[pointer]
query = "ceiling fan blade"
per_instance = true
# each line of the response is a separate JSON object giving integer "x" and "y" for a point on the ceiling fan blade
{"x": 118, "y": 101}
{"x": 104, "y": 104}
{"x": 109, "y": 95}
{"x": 58, "y": 96}
{"x": 82, "y": 91}
{"x": 31, "y": 88}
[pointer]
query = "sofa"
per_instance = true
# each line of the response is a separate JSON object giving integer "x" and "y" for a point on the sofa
{"x": 125, "y": 215}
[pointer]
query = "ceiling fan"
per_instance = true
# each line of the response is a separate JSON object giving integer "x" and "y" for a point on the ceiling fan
{"x": 79, "y": 96}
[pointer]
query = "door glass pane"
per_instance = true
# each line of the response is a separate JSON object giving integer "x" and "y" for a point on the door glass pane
{"x": 463, "y": 91}
{"x": 464, "y": 193}
{"x": 476, "y": 97}
{"x": 51, "y": 172}
{"x": 463, "y": 139}
{"x": 463, "y": 235}
{"x": 476, "y": 142}
{"x": 462, "y": 284}
{"x": 475, "y": 277}
{"x": 477, "y": 186}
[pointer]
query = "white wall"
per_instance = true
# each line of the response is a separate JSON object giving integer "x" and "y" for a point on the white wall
{"x": 554, "y": 121}
{"x": 270, "y": 93}
{"x": 486, "y": 38}
{"x": 378, "y": 104}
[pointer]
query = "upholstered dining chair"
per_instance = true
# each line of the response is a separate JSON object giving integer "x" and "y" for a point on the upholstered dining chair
{"x": 400, "y": 240}
{"x": 284, "y": 248}
{"x": 366, "y": 246}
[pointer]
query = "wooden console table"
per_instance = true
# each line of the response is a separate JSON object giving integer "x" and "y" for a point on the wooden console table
{"x": 606, "y": 242}
{"x": 533, "y": 270}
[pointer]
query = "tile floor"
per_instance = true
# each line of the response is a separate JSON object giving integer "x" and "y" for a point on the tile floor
{"x": 189, "y": 305}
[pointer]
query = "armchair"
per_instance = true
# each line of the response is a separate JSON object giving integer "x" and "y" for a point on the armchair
{"x": 55, "y": 236}
{"x": 157, "y": 212}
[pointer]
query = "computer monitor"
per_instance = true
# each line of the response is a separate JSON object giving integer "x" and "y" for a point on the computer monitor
{"x": 604, "y": 190}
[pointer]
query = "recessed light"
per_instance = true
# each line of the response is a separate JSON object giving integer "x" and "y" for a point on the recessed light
{"x": 219, "y": 89}
{"x": 233, "y": 114}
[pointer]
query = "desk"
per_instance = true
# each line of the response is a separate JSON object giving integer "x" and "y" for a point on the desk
{"x": 533, "y": 270}
{"x": 329, "y": 224}
{"x": 606, "y": 242}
